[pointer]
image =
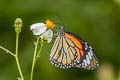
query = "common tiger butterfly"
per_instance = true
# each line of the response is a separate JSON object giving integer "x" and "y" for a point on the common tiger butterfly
{"x": 69, "y": 50}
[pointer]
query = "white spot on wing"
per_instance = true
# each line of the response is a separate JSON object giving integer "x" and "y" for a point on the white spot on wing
{"x": 82, "y": 64}
{"x": 85, "y": 48}
{"x": 91, "y": 52}
{"x": 89, "y": 55}
{"x": 85, "y": 61}
{"x": 88, "y": 60}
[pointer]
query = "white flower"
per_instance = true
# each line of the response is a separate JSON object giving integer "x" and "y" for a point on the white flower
{"x": 38, "y": 28}
{"x": 48, "y": 34}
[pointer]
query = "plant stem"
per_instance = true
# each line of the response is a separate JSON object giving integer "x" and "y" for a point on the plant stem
{"x": 15, "y": 55}
{"x": 34, "y": 58}
{"x": 17, "y": 61}
{"x": 38, "y": 55}
{"x": 7, "y": 51}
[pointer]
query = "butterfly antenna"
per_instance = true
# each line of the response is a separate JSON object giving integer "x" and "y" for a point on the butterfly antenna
{"x": 61, "y": 20}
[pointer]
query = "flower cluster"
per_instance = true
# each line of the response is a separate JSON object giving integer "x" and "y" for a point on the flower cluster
{"x": 44, "y": 30}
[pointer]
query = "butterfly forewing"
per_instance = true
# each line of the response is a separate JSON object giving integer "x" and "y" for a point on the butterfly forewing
{"x": 62, "y": 55}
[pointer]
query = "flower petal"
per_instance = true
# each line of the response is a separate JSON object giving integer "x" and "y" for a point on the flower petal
{"x": 48, "y": 34}
{"x": 38, "y": 28}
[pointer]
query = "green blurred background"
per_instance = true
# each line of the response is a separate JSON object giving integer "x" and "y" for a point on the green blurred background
{"x": 96, "y": 21}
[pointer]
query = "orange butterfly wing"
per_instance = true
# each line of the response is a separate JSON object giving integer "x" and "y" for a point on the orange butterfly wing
{"x": 78, "y": 44}
{"x": 86, "y": 57}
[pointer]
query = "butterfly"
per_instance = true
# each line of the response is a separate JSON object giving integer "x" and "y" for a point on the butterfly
{"x": 69, "y": 50}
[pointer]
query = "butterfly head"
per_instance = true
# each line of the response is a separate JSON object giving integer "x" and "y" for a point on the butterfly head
{"x": 61, "y": 32}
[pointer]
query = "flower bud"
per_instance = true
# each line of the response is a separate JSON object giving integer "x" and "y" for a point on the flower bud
{"x": 44, "y": 40}
{"x": 18, "y": 25}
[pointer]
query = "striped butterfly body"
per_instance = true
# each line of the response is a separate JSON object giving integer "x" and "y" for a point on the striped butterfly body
{"x": 69, "y": 50}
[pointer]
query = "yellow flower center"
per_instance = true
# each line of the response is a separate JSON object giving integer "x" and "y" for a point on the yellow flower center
{"x": 50, "y": 24}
